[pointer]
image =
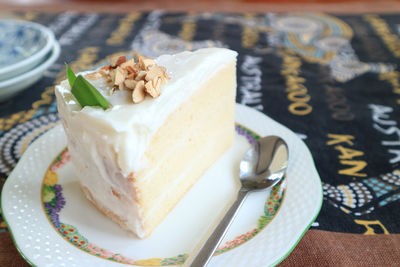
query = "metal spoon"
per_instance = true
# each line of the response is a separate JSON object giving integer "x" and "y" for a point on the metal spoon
{"x": 262, "y": 167}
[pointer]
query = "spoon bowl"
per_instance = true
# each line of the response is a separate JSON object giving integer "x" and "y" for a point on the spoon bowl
{"x": 262, "y": 167}
{"x": 264, "y": 164}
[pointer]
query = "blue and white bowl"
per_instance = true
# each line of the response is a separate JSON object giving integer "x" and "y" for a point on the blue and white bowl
{"x": 23, "y": 46}
{"x": 14, "y": 85}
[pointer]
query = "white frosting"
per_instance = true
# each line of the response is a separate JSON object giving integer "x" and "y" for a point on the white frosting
{"x": 129, "y": 127}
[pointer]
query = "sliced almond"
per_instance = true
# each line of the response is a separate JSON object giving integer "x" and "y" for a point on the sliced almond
{"x": 131, "y": 76}
{"x": 164, "y": 77}
{"x": 157, "y": 83}
{"x": 132, "y": 69}
{"x": 116, "y": 61}
{"x": 141, "y": 75}
{"x": 132, "y": 72}
{"x": 151, "y": 90}
{"x": 123, "y": 87}
{"x": 154, "y": 72}
{"x": 138, "y": 93}
{"x": 145, "y": 62}
{"x": 106, "y": 67}
{"x": 93, "y": 76}
{"x": 120, "y": 75}
{"x": 111, "y": 75}
{"x": 128, "y": 63}
{"x": 130, "y": 83}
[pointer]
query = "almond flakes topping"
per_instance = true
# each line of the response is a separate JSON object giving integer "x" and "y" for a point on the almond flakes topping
{"x": 116, "y": 61}
{"x": 130, "y": 83}
{"x": 143, "y": 77}
{"x": 138, "y": 93}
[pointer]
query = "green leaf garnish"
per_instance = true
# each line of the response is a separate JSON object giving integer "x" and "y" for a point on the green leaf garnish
{"x": 85, "y": 92}
{"x": 70, "y": 75}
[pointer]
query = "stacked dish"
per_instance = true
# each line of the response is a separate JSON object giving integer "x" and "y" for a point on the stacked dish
{"x": 27, "y": 50}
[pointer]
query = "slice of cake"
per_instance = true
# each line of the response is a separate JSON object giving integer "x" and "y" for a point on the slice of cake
{"x": 169, "y": 120}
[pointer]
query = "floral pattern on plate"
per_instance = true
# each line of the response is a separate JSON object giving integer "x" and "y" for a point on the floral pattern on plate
{"x": 54, "y": 201}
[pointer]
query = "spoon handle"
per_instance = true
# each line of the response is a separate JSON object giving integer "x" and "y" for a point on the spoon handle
{"x": 208, "y": 249}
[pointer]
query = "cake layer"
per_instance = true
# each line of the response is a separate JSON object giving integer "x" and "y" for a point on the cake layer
{"x": 192, "y": 139}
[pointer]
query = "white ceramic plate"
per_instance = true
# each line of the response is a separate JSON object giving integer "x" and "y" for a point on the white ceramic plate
{"x": 23, "y": 45}
{"x": 14, "y": 85}
{"x": 268, "y": 227}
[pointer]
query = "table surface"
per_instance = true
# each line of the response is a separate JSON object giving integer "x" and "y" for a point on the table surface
{"x": 355, "y": 111}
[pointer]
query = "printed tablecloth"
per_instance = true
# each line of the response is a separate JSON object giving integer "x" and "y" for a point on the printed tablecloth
{"x": 333, "y": 80}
